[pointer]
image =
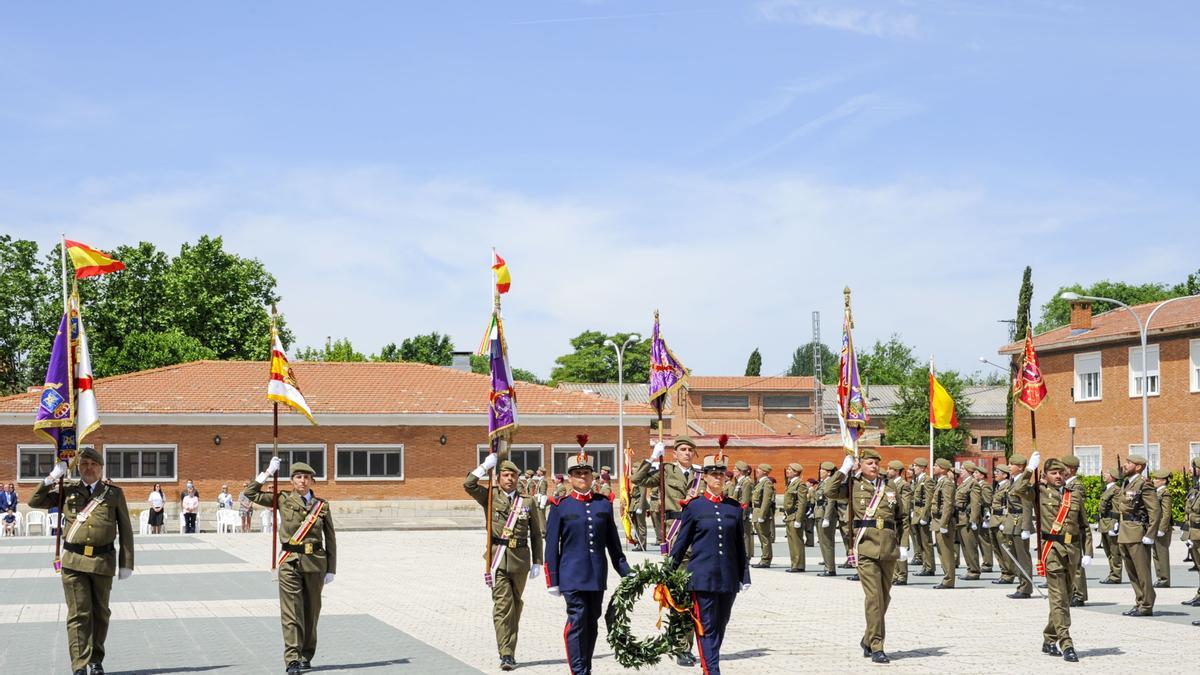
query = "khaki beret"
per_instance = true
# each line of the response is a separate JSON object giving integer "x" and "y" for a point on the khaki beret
{"x": 1161, "y": 474}
{"x": 1137, "y": 459}
{"x": 795, "y": 466}
{"x": 684, "y": 440}
{"x": 605, "y": 468}
{"x": 506, "y": 465}
{"x": 1054, "y": 464}
{"x": 828, "y": 466}
{"x": 1071, "y": 461}
{"x": 1003, "y": 468}
{"x": 869, "y": 454}
{"x": 301, "y": 467}
{"x": 896, "y": 464}
{"x": 95, "y": 456}
{"x": 741, "y": 466}
{"x": 944, "y": 464}
{"x": 921, "y": 461}
{"x": 968, "y": 466}
{"x": 979, "y": 468}
{"x": 765, "y": 468}
{"x": 1017, "y": 459}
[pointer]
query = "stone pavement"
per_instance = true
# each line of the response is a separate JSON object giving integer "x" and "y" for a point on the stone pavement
{"x": 414, "y": 602}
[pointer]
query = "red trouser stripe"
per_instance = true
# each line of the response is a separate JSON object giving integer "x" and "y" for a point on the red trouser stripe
{"x": 567, "y": 647}
{"x": 699, "y": 624}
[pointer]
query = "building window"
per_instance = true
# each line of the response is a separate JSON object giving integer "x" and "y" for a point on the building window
{"x": 1194, "y": 350}
{"x": 524, "y": 456}
{"x": 602, "y": 455}
{"x": 1089, "y": 459}
{"x": 370, "y": 462}
{"x": 1088, "y": 386}
{"x": 1135, "y": 370}
{"x": 312, "y": 455}
{"x": 34, "y": 462}
{"x": 1193, "y": 452}
{"x": 725, "y": 401}
{"x": 992, "y": 444}
{"x": 1152, "y": 457}
{"x": 778, "y": 402}
{"x": 140, "y": 462}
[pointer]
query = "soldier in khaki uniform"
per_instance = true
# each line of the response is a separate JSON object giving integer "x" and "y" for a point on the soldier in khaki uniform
{"x": 825, "y": 516}
{"x": 1192, "y": 516}
{"x": 541, "y": 496}
{"x": 919, "y": 517}
{"x": 943, "y": 519}
{"x": 515, "y": 554}
{"x": 795, "y": 504}
{"x": 1070, "y": 545}
{"x": 883, "y": 519}
{"x": 743, "y": 491}
{"x": 1162, "y": 538}
{"x": 604, "y": 482}
{"x": 1138, "y": 504}
{"x": 1019, "y": 528}
{"x": 764, "y": 515}
{"x": 1107, "y": 522}
{"x": 637, "y": 513}
{"x": 968, "y": 513}
{"x": 997, "y": 525}
{"x": 307, "y": 560}
{"x": 983, "y": 535}
{"x": 94, "y": 517}
{"x": 903, "y": 490}
{"x": 1079, "y": 591}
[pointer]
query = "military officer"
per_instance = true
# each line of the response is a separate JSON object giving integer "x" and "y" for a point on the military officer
{"x": 515, "y": 554}
{"x": 967, "y": 513}
{"x": 903, "y": 491}
{"x": 764, "y": 515}
{"x": 307, "y": 560}
{"x": 882, "y": 517}
{"x": 637, "y": 513}
{"x": 1138, "y": 505}
{"x": 1107, "y": 522}
{"x": 1163, "y": 530}
{"x": 541, "y": 495}
{"x": 943, "y": 519}
{"x": 1070, "y": 471}
{"x": 743, "y": 491}
{"x": 711, "y": 530}
{"x": 997, "y": 525}
{"x": 822, "y": 513}
{"x": 983, "y": 535}
{"x": 1019, "y": 528}
{"x": 683, "y": 481}
{"x": 580, "y": 532}
{"x": 604, "y": 484}
{"x": 1067, "y": 544}
{"x": 795, "y": 504}
{"x": 94, "y": 517}
{"x": 921, "y": 533}
{"x": 1192, "y": 515}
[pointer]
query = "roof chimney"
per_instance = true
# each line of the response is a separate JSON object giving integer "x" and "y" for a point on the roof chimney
{"x": 1081, "y": 315}
{"x": 461, "y": 361}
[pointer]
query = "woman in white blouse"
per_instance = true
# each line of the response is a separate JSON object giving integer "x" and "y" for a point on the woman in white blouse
{"x": 156, "y": 509}
{"x": 191, "y": 509}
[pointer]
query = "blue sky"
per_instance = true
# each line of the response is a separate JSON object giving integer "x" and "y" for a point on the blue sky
{"x": 732, "y": 163}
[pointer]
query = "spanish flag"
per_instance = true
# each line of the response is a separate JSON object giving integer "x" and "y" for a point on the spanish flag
{"x": 282, "y": 386}
{"x": 941, "y": 406}
{"x": 89, "y": 262}
{"x": 503, "y": 278}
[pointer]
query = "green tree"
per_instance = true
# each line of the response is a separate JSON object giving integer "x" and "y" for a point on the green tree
{"x": 591, "y": 361}
{"x": 887, "y": 362}
{"x": 27, "y": 292}
{"x": 432, "y": 348}
{"x": 1057, "y": 312}
{"x": 802, "y": 362}
{"x": 754, "y": 365}
{"x": 339, "y": 351}
{"x": 1024, "y": 302}
{"x": 481, "y": 365}
{"x": 909, "y": 423}
{"x": 390, "y": 352}
{"x": 140, "y": 351}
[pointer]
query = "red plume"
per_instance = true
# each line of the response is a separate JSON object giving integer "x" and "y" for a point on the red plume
{"x": 724, "y": 439}
{"x": 582, "y": 439}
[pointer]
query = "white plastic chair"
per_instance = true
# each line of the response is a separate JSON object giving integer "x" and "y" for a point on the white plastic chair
{"x": 35, "y": 518}
{"x": 181, "y": 523}
{"x": 16, "y": 524}
{"x": 51, "y": 523}
{"x": 144, "y": 522}
{"x": 228, "y": 521}
{"x": 264, "y": 520}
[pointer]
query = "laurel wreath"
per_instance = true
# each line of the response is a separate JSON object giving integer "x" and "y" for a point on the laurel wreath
{"x": 632, "y": 652}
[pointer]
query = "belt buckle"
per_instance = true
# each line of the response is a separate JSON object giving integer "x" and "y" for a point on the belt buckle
{"x": 512, "y": 542}
{"x": 1067, "y": 538}
{"x": 879, "y": 523}
{"x": 308, "y": 548}
{"x": 87, "y": 550}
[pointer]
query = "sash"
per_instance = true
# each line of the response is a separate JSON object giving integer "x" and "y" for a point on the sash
{"x": 82, "y": 516}
{"x": 1059, "y": 518}
{"x": 313, "y": 513}
{"x": 693, "y": 490}
{"x": 507, "y": 533}
{"x": 869, "y": 513}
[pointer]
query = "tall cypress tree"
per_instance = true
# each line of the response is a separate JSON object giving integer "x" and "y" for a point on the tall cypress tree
{"x": 1024, "y": 300}
{"x": 754, "y": 365}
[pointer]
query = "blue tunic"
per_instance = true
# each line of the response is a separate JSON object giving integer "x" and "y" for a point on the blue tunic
{"x": 579, "y": 530}
{"x": 713, "y": 532}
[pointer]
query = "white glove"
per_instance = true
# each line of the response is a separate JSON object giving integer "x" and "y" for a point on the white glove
{"x": 1085, "y": 560}
{"x": 124, "y": 573}
{"x": 1161, "y": 533}
{"x": 1113, "y": 533}
{"x": 903, "y": 553}
{"x": 760, "y": 520}
{"x": 796, "y": 524}
{"x": 824, "y": 523}
{"x": 535, "y": 571}
{"x": 942, "y": 530}
{"x": 986, "y": 526}
{"x": 59, "y": 470}
{"x": 974, "y": 527}
{"x": 329, "y": 578}
{"x": 553, "y": 590}
{"x": 745, "y": 587}
{"x": 1188, "y": 543}
{"x": 1147, "y": 541}
{"x": 924, "y": 522}
{"x": 639, "y": 511}
{"x": 1024, "y": 535}
{"x": 1034, "y": 460}
{"x": 273, "y": 467}
{"x": 659, "y": 449}
{"x": 847, "y": 464}
{"x": 1001, "y": 527}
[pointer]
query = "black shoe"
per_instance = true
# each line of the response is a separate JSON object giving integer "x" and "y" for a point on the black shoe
{"x": 1110, "y": 581}
{"x": 761, "y": 565}
{"x": 865, "y": 648}
{"x": 1077, "y": 602}
{"x": 1162, "y": 584}
{"x": 987, "y": 569}
{"x": 880, "y": 657}
{"x": 826, "y": 573}
{"x": 942, "y": 586}
{"x": 1194, "y": 602}
{"x": 1070, "y": 655}
{"x": 970, "y": 577}
{"x": 1196, "y": 623}
{"x": 1018, "y": 595}
{"x": 686, "y": 660}
{"x": 293, "y": 668}
{"x": 96, "y": 669}
{"x": 793, "y": 570}
{"x": 900, "y": 583}
{"x": 305, "y": 665}
{"x": 1051, "y": 649}
{"x": 639, "y": 547}
{"x": 846, "y": 566}
{"x": 507, "y": 663}
{"x": 1002, "y": 581}
{"x": 924, "y": 574}
{"x": 1138, "y": 612}
{"x": 81, "y": 671}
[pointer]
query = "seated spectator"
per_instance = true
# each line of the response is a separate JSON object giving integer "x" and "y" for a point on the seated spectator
{"x": 10, "y": 521}
{"x": 191, "y": 510}
{"x": 245, "y": 508}
{"x": 157, "y": 502}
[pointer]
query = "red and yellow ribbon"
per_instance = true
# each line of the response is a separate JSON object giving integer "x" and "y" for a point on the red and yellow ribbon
{"x": 662, "y": 595}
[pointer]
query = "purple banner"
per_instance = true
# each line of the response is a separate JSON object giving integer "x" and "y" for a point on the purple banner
{"x": 666, "y": 372}
{"x": 56, "y": 405}
{"x": 852, "y": 405}
{"x": 502, "y": 403}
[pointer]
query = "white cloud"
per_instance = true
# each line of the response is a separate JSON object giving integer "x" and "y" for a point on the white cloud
{"x": 838, "y": 16}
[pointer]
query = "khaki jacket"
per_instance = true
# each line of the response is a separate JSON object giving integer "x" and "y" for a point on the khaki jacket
{"x": 1108, "y": 516}
{"x": 764, "y": 500}
{"x": 878, "y": 543}
{"x": 904, "y": 489}
{"x": 1075, "y": 526}
{"x": 107, "y": 524}
{"x": 292, "y": 513}
{"x": 677, "y": 486}
{"x": 527, "y": 531}
{"x": 795, "y": 500}
{"x": 1019, "y": 499}
{"x": 1138, "y": 505}
{"x": 966, "y": 503}
{"x": 943, "y": 503}
{"x": 1193, "y": 515}
{"x": 922, "y": 491}
{"x": 744, "y": 493}
{"x": 999, "y": 506}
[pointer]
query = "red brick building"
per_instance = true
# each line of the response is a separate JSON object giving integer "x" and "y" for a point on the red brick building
{"x": 387, "y": 431}
{"x": 1092, "y": 369}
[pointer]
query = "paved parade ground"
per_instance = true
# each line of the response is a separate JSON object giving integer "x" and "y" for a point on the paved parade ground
{"x": 414, "y": 602}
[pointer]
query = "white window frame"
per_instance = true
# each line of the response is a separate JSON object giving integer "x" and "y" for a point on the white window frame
{"x": 1153, "y": 457}
{"x": 288, "y": 447}
{"x": 1091, "y": 459}
{"x": 719, "y": 406}
{"x": 1152, "y": 373}
{"x": 40, "y": 447}
{"x": 1193, "y": 453}
{"x": 158, "y": 447}
{"x": 482, "y": 449}
{"x": 1079, "y": 397}
{"x": 569, "y": 449}
{"x": 1194, "y": 362}
{"x": 369, "y": 447}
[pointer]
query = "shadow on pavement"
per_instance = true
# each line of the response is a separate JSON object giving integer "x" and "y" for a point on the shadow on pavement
{"x": 356, "y": 666}
{"x": 182, "y": 669}
{"x": 917, "y": 653}
{"x": 1102, "y": 651}
{"x": 746, "y": 654}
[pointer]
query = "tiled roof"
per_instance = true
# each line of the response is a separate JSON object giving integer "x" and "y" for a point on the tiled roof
{"x": 635, "y": 392}
{"x": 749, "y": 383}
{"x": 332, "y": 388}
{"x": 882, "y": 400}
{"x": 716, "y": 427}
{"x": 1117, "y": 324}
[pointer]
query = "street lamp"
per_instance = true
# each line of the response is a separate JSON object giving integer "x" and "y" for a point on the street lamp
{"x": 620, "y": 453}
{"x": 1142, "y": 330}
{"x": 994, "y": 365}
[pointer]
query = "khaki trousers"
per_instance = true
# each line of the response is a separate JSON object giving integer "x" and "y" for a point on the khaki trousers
{"x": 1060, "y": 573}
{"x": 1137, "y": 566}
{"x": 948, "y": 556}
{"x": 1113, "y": 552}
{"x": 87, "y": 615}
{"x": 795, "y": 541}
{"x": 875, "y": 576}
{"x": 299, "y": 611}
{"x": 507, "y": 590}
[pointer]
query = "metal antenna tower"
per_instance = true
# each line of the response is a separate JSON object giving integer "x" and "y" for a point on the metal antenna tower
{"x": 818, "y": 408}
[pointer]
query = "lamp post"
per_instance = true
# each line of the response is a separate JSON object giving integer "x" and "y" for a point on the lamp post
{"x": 619, "y": 457}
{"x": 1143, "y": 327}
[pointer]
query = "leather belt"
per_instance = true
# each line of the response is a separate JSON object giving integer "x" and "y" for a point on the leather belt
{"x": 509, "y": 543}
{"x": 88, "y": 549}
{"x": 1136, "y": 519}
{"x": 1015, "y": 510}
{"x": 307, "y": 548}
{"x": 1060, "y": 538}
{"x": 1109, "y": 514}
{"x": 672, "y": 515}
{"x": 877, "y": 523}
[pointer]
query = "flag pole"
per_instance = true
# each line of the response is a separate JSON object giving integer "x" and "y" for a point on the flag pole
{"x": 851, "y": 366}
{"x": 1037, "y": 495}
{"x": 494, "y": 442}
{"x": 70, "y": 393}
{"x": 274, "y": 454}
{"x": 931, "y": 374}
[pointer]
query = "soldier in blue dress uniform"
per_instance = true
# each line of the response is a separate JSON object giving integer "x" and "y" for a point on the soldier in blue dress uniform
{"x": 579, "y": 530}
{"x": 713, "y": 531}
